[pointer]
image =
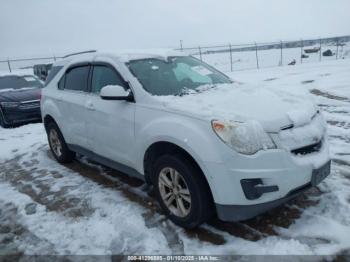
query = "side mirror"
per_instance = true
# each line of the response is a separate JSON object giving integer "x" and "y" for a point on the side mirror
{"x": 116, "y": 92}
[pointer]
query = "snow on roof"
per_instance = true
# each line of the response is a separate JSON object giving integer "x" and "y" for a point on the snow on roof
{"x": 124, "y": 55}
{"x": 18, "y": 72}
{"x": 144, "y": 54}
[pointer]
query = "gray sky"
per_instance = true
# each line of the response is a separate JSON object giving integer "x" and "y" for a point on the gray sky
{"x": 42, "y": 27}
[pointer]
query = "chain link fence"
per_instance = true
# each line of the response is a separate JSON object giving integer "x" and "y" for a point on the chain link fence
{"x": 232, "y": 57}
{"x": 25, "y": 63}
{"x": 261, "y": 55}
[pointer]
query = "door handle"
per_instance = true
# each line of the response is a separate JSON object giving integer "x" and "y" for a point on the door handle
{"x": 90, "y": 106}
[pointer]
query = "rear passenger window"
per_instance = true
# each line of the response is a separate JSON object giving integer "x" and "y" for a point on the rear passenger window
{"x": 77, "y": 79}
{"x": 103, "y": 76}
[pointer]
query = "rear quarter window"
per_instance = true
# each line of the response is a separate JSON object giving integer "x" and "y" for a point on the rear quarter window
{"x": 53, "y": 72}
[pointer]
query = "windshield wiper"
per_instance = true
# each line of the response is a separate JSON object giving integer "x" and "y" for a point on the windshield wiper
{"x": 199, "y": 89}
{"x": 184, "y": 91}
{"x": 203, "y": 88}
{"x": 187, "y": 91}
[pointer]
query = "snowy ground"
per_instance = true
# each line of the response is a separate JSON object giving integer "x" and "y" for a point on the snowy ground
{"x": 83, "y": 208}
{"x": 271, "y": 58}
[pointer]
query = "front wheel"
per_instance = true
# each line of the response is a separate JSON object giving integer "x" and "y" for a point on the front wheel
{"x": 58, "y": 145}
{"x": 182, "y": 191}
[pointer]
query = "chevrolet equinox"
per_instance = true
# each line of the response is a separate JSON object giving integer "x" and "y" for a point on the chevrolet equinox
{"x": 207, "y": 145}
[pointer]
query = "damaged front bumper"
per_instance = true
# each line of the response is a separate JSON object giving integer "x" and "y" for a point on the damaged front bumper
{"x": 244, "y": 212}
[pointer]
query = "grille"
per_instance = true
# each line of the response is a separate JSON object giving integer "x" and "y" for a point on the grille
{"x": 304, "y": 139}
{"x": 308, "y": 149}
{"x": 30, "y": 105}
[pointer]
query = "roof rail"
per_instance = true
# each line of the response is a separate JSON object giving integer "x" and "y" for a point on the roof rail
{"x": 79, "y": 53}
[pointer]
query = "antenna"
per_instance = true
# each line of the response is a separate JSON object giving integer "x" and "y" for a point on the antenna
{"x": 79, "y": 53}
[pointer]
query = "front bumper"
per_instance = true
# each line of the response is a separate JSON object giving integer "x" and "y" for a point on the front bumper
{"x": 19, "y": 116}
{"x": 244, "y": 212}
{"x": 276, "y": 167}
{"x": 276, "y": 175}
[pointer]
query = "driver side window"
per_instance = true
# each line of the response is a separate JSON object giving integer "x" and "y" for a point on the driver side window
{"x": 103, "y": 76}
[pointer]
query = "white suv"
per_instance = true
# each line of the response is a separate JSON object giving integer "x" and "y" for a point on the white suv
{"x": 207, "y": 145}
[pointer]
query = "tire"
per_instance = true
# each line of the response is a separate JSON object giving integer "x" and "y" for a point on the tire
{"x": 58, "y": 145}
{"x": 181, "y": 211}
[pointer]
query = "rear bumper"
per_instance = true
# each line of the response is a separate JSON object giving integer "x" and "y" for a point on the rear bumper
{"x": 244, "y": 212}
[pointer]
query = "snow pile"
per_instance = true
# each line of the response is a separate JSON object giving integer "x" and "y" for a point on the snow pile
{"x": 308, "y": 134}
{"x": 241, "y": 103}
{"x": 298, "y": 117}
{"x": 15, "y": 142}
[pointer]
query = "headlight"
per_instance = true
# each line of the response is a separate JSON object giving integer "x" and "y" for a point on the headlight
{"x": 10, "y": 104}
{"x": 246, "y": 138}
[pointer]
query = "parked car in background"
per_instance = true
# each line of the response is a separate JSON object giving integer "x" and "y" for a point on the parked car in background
{"x": 207, "y": 145}
{"x": 312, "y": 50}
{"x": 42, "y": 71}
{"x": 19, "y": 99}
{"x": 328, "y": 52}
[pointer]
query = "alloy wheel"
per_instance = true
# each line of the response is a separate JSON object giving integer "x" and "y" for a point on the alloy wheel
{"x": 174, "y": 192}
{"x": 55, "y": 143}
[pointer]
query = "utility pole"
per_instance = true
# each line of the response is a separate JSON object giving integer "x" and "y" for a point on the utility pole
{"x": 9, "y": 65}
{"x": 256, "y": 55}
{"x": 320, "y": 49}
{"x": 231, "y": 62}
{"x": 337, "y": 48}
{"x": 281, "y": 53}
{"x": 200, "y": 53}
{"x": 301, "y": 50}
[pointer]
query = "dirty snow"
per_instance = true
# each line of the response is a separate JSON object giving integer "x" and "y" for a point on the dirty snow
{"x": 83, "y": 208}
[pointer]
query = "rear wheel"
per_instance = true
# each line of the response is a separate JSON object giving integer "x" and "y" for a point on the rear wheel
{"x": 58, "y": 145}
{"x": 182, "y": 191}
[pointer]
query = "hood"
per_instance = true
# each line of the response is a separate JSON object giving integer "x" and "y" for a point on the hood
{"x": 273, "y": 108}
{"x": 19, "y": 95}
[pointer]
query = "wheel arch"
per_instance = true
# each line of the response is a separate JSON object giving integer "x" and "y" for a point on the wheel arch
{"x": 47, "y": 120}
{"x": 160, "y": 148}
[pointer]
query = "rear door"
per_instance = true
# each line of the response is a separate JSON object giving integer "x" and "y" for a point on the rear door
{"x": 111, "y": 125}
{"x": 72, "y": 99}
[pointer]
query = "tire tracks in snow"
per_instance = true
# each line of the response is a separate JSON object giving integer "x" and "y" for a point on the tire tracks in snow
{"x": 26, "y": 174}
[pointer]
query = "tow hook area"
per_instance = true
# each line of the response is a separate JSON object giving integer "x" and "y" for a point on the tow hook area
{"x": 254, "y": 188}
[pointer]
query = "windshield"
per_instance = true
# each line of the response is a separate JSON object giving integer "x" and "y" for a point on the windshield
{"x": 18, "y": 82}
{"x": 177, "y": 76}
